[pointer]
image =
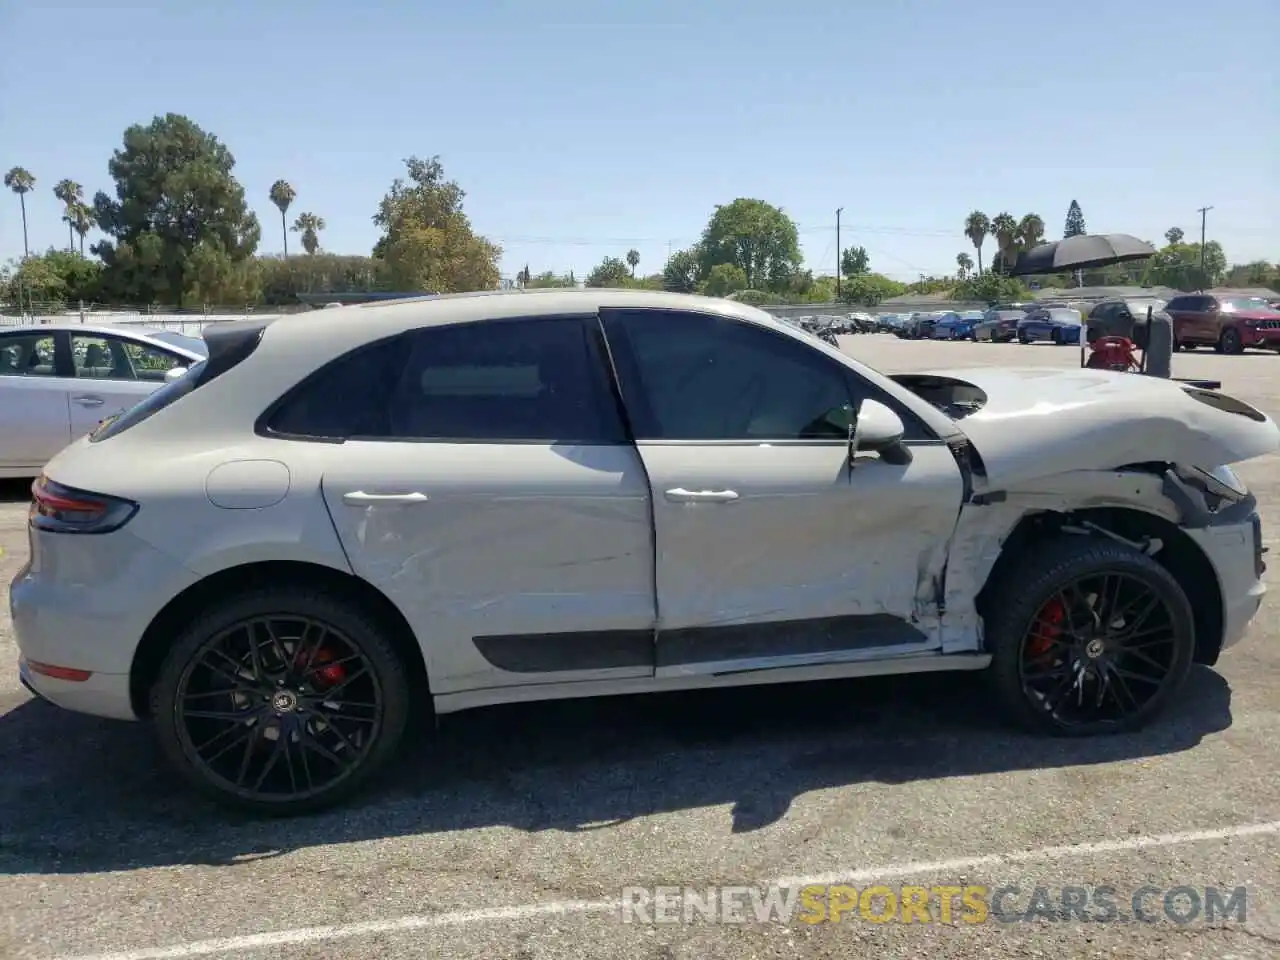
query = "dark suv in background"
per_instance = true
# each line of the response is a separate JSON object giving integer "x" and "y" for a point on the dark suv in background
{"x": 1124, "y": 317}
{"x": 1229, "y": 324}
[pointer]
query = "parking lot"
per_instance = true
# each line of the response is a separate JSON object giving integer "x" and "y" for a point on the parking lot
{"x": 508, "y": 833}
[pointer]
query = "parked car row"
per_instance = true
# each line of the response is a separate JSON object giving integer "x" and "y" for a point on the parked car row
{"x": 1227, "y": 324}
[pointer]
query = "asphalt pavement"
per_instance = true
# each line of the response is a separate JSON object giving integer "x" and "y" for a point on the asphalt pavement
{"x": 511, "y": 833}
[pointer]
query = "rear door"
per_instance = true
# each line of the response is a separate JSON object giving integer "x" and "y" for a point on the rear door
{"x": 480, "y": 476}
{"x": 34, "y": 421}
{"x": 112, "y": 373}
{"x": 771, "y": 551}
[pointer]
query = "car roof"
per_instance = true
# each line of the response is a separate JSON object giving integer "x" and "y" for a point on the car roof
{"x": 134, "y": 332}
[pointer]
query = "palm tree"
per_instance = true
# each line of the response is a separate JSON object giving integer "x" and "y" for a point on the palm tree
{"x": 309, "y": 225}
{"x": 1005, "y": 229}
{"x": 1030, "y": 231}
{"x": 282, "y": 195}
{"x": 71, "y": 194}
{"x": 21, "y": 182}
{"x": 633, "y": 260}
{"x": 81, "y": 221}
{"x": 965, "y": 263}
{"x": 977, "y": 228}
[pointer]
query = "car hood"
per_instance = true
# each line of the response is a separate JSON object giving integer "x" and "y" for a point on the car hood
{"x": 1036, "y": 423}
{"x": 1253, "y": 315}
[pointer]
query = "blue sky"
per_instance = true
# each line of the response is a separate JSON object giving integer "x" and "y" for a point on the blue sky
{"x": 581, "y": 129}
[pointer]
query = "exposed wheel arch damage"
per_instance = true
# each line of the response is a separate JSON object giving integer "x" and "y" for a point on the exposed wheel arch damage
{"x": 1177, "y": 553}
{"x": 159, "y": 635}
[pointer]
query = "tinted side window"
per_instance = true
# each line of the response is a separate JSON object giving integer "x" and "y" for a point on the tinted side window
{"x": 27, "y": 355}
{"x": 510, "y": 380}
{"x": 347, "y": 397}
{"x": 1181, "y": 303}
{"x": 699, "y": 377}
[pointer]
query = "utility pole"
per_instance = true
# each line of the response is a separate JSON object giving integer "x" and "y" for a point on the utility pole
{"x": 1204, "y": 216}
{"x": 839, "y": 254}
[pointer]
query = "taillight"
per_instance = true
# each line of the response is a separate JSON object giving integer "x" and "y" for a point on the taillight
{"x": 59, "y": 509}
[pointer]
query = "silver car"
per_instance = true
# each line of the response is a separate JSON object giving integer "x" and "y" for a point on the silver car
{"x": 59, "y": 380}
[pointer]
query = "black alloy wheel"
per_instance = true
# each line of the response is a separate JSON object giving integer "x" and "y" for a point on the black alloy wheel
{"x": 1230, "y": 341}
{"x": 281, "y": 702}
{"x": 1097, "y": 640}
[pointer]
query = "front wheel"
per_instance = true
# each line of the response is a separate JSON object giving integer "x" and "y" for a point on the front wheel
{"x": 1057, "y": 338}
{"x": 1230, "y": 341}
{"x": 281, "y": 701}
{"x": 1091, "y": 637}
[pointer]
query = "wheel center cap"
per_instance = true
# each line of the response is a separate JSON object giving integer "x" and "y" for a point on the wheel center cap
{"x": 284, "y": 701}
{"x": 1093, "y": 649}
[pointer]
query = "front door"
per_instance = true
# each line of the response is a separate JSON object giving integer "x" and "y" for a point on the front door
{"x": 485, "y": 485}
{"x": 771, "y": 551}
{"x": 112, "y": 373}
{"x": 33, "y": 403}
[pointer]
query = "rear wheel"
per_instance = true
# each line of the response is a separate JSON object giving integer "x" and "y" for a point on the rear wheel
{"x": 281, "y": 701}
{"x": 1091, "y": 636}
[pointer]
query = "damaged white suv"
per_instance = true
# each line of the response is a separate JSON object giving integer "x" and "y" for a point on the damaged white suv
{"x": 485, "y": 498}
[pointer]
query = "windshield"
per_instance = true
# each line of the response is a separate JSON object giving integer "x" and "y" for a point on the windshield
{"x": 194, "y": 344}
{"x": 1242, "y": 304}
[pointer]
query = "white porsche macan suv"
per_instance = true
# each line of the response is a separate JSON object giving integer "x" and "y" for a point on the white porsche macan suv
{"x": 475, "y": 499}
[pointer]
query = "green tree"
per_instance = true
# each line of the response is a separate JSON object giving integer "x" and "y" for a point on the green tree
{"x": 21, "y": 182}
{"x": 1075, "y": 221}
{"x": 724, "y": 279}
{"x": 990, "y": 288}
{"x": 71, "y": 194}
{"x": 682, "y": 272}
{"x": 870, "y": 289}
{"x": 855, "y": 261}
{"x": 1178, "y": 266}
{"x": 309, "y": 225}
{"x": 177, "y": 229}
{"x": 1173, "y": 236}
{"x": 977, "y": 228}
{"x": 282, "y": 195}
{"x": 753, "y": 235}
{"x": 550, "y": 280}
{"x": 965, "y": 263}
{"x": 1005, "y": 229}
{"x": 633, "y": 261}
{"x": 523, "y": 277}
{"x": 281, "y": 280}
{"x": 56, "y": 278}
{"x": 1258, "y": 273}
{"x": 609, "y": 272}
{"x": 427, "y": 240}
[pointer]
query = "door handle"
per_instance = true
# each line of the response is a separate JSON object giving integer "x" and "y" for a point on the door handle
{"x": 359, "y": 497}
{"x": 681, "y": 495}
{"x": 88, "y": 401}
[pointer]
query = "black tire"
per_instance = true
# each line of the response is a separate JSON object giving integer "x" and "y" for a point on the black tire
{"x": 1056, "y": 568}
{"x": 1023, "y": 339}
{"x": 1230, "y": 341}
{"x": 375, "y": 672}
{"x": 1056, "y": 337}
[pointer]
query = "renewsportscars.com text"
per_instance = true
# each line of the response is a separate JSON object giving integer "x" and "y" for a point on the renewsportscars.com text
{"x": 946, "y": 904}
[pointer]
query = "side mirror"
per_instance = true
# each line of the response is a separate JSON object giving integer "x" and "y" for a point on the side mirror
{"x": 879, "y": 428}
{"x": 174, "y": 373}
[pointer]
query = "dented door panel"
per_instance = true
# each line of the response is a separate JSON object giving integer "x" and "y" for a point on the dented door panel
{"x": 802, "y": 537}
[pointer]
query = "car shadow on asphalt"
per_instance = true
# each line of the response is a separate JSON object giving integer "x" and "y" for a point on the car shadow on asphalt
{"x": 82, "y": 795}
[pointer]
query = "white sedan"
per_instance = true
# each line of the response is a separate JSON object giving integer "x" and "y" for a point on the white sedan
{"x": 58, "y": 380}
{"x": 490, "y": 498}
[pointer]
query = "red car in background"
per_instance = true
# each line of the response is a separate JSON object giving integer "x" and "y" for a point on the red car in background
{"x": 1229, "y": 324}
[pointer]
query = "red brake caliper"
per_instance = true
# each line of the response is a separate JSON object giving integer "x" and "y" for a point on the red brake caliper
{"x": 324, "y": 676}
{"x": 1046, "y": 629}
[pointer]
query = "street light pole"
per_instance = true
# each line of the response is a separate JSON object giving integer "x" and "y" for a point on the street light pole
{"x": 839, "y": 254}
{"x": 1204, "y": 216}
